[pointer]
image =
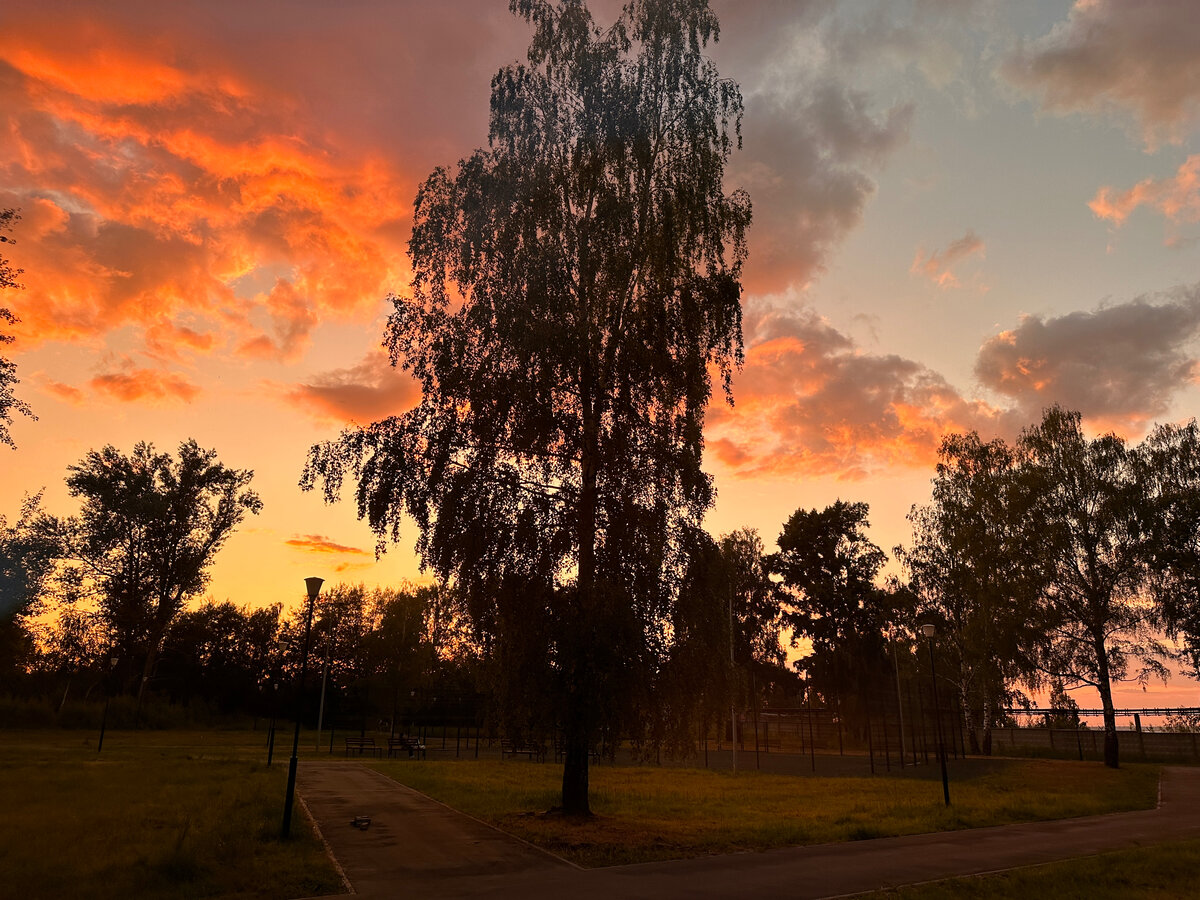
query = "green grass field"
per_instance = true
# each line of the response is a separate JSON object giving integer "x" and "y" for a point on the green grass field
{"x": 1163, "y": 872}
{"x": 170, "y": 814}
{"x": 649, "y": 813}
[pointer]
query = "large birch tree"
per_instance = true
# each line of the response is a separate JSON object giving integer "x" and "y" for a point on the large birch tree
{"x": 575, "y": 288}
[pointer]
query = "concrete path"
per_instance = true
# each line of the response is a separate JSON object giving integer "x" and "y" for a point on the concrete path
{"x": 418, "y": 847}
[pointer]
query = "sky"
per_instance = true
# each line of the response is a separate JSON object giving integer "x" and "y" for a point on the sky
{"x": 964, "y": 211}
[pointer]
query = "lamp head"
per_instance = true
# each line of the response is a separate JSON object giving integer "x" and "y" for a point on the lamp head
{"x": 929, "y": 630}
{"x": 314, "y": 587}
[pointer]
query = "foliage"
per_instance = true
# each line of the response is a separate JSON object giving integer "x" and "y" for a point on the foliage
{"x": 8, "y": 370}
{"x": 1092, "y": 529}
{"x": 574, "y": 286}
{"x": 149, "y": 527}
{"x": 974, "y": 566}
{"x": 28, "y": 550}
{"x": 219, "y": 653}
{"x": 1172, "y": 467}
{"x": 830, "y": 570}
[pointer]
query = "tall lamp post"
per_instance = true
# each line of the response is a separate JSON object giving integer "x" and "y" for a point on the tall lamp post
{"x": 314, "y": 588}
{"x": 929, "y": 631}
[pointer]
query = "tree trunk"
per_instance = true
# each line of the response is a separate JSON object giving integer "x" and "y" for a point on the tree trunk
{"x": 578, "y": 718}
{"x": 1111, "y": 747}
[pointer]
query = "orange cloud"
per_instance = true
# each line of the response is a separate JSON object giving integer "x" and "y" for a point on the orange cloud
{"x": 319, "y": 543}
{"x": 159, "y": 185}
{"x": 139, "y": 384}
{"x": 1177, "y": 198}
{"x": 808, "y": 402}
{"x": 1119, "y": 365}
{"x": 936, "y": 265}
{"x": 363, "y": 393}
{"x": 65, "y": 392}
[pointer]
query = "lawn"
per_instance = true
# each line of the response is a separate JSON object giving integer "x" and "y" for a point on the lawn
{"x": 648, "y": 813}
{"x": 157, "y": 814}
{"x": 1147, "y": 873}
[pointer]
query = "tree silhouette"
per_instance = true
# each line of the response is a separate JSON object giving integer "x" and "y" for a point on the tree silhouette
{"x": 1093, "y": 524}
{"x": 8, "y": 369}
{"x": 149, "y": 527}
{"x": 574, "y": 286}
{"x": 974, "y": 565}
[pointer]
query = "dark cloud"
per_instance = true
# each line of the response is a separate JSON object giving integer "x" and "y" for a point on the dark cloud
{"x": 1119, "y": 365}
{"x": 1136, "y": 57}
{"x": 363, "y": 393}
{"x": 808, "y": 152}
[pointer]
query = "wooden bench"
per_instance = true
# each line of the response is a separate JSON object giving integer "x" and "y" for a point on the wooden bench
{"x": 362, "y": 745}
{"x": 534, "y": 751}
{"x": 410, "y": 745}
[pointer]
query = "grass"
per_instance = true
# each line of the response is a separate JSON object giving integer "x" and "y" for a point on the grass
{"x": 1146, "y": 873}
{"x": 157, "y": 814}
{"x": 648, "y": 813}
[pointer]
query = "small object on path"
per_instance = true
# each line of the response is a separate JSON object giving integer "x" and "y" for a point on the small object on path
{"x": 361, "y": 822}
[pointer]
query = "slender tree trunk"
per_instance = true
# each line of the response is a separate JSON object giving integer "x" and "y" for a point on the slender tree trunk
{"x": 1111, "y": 746}
{"x": 578, "y": 712}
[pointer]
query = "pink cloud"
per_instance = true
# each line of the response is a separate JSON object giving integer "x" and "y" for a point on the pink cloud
{"x": 1177, "y": 198}
{"x": 936, "y": 265}
{"x": 373, "y": 389}
{"x": 1120, "y": 365}
{"x": 1114, "y": 55}
{"x": 809, "y": 402}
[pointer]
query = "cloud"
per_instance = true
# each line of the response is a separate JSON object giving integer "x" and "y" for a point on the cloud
{"x": 373, "y": 389}
{"x": 1136, "y": 58}
{"x": 809, "y": 402}
{"x": 319, "y": 543}
{"x": 65, "y": 392}
{"x": 160, "y": 184}
{"x": 1118, "y": 365}
{"x": 811, "y": 138}
{"x": 936, "y": 265}
{"x": 134, "y": 384}
{"x": 1177, "y": 198}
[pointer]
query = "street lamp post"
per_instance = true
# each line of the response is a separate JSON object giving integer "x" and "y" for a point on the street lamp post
{"x": 929, "y": 631}
{"x": 314, "y": 588}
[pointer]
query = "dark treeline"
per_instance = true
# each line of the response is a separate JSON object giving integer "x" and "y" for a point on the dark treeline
{"x": 1047, "y": 564}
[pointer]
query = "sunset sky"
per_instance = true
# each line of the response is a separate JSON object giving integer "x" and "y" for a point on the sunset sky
{"x": 964, "y": 211}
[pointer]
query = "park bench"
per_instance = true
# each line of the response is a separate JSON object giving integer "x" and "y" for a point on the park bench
{"x": 411, "y": 745}
{"x": 362, "y": 745}
{"x": 532, "y": 749}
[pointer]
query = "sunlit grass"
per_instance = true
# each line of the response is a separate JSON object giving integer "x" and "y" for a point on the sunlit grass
{"x": 648, "y": 813}
{"x": 1145, "y": 873}
{"x": 156, "y": 814}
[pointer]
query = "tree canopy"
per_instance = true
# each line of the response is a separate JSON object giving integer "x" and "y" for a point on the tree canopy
{"x": 147, "y": 531}
{"x": 975, "y": 567}
{"x": 574, "y": 286}
{"x": 8, "y": 370}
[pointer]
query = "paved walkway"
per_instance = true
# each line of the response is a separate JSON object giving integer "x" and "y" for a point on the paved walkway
{"x": 415, "y": 846}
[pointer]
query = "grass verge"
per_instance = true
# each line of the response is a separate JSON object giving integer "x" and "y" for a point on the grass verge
{"x": 157, "y": 814}
{"x": 1145, "y": 873}
{"x": 648, "y": 813}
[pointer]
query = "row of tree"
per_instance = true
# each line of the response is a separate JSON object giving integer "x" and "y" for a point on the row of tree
{"x": 1060, "y": 561}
